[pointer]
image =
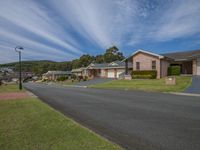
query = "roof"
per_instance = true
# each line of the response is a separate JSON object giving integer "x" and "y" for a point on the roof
{"x": 78, "y": 70}
{"x": 183, "y": 55}
{"x": 177, "y": 56}
{"x": 114, "y": 64}
{"x": 58, "y": 73}
{"x": 146, "y": 52}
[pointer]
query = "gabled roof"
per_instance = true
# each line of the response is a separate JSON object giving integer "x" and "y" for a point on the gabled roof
{"x": 114, "y": 64}
{"x": 97, "y": 66}
{"x": 146, "y": 52}
{"x": 58, "y": 73}
{"x": 78, "y": 70}
{"x": 183, "y": 55}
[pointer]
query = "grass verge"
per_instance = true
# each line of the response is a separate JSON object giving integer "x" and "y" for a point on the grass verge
{"x": 31, "y": 124}
{"x": 158, "y": 85}
{"x": 9, "y": 88}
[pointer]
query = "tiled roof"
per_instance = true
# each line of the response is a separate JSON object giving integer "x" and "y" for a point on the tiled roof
{"x": 58, "y": 72}
{"x": 78, "y": 70}
{"x": 183, "y": 55}
{"x": 115, "y": 64}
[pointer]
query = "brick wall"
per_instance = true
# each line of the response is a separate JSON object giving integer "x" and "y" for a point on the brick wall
{"x": 146, "y": 62}
{"x": 194, "y": 67}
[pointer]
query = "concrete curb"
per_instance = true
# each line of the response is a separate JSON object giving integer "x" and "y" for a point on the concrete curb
{"x": 76, "y": 86}
{"x": 186, "y": 94}
{"x": 31, "y": 94}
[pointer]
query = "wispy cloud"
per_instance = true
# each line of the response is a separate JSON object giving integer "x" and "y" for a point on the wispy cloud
{"x": 65, "y": 29}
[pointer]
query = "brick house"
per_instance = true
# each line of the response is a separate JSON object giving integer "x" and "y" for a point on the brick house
{"x": 104, "y": 70}
{"x": 189, "y": 61}
{"x": 53, "y": 75}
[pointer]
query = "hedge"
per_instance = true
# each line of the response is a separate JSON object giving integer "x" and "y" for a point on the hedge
{"x": 144, "y": 74}
{"x": 62, "y": 78}
{"x": 174, "y": 70}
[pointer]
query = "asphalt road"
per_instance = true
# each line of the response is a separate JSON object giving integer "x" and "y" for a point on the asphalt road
{"x": 133, "y": 119}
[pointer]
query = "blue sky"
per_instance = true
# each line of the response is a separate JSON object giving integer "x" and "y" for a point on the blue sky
{"x": 62, "y": 30}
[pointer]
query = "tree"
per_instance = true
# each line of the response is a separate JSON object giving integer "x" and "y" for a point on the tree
{"x": 85, "y": 60}
{"x": 99, "y": 59}
{"x": 112, "y": 54}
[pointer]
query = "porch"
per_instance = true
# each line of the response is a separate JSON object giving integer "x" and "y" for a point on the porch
{"x": 186, "y": 66}
{"x": 96, "y": 73}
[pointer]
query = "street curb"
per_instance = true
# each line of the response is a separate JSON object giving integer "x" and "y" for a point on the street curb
{"x": 75, "y": 86}
{"x": 31, "y": 94}
{"x": 186, "y": 94}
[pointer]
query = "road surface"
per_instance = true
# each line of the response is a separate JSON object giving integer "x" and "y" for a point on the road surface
{"x": 133, "y": 119}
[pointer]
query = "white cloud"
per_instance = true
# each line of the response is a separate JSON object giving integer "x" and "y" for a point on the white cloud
{"x": 66, "y": 24}
{"x": 30, "y": 16}
{"x": 181, "y": 20}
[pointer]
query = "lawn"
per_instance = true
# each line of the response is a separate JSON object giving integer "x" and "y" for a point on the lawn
{"x": 31, "y": 124}
{"x": 9, "y": 88}
{"x": 147, "y": 84}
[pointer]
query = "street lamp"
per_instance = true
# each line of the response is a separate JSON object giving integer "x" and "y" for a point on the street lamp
{"x": 19, "y": 49}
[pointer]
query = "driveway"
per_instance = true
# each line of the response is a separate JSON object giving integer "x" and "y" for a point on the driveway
{"x": 195, "y": 86}
{"x": 94, "y": 81}
{"x": 135, "y": 120}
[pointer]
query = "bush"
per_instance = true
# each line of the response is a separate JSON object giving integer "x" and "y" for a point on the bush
{"x": 80, "y": 78}
{"x": 144, "y": 74}
{"x": 62, "y": 78}
{"x": 73, "y": 77}
{"x": 174, "y": 70}
{"x": 85, "y": 78}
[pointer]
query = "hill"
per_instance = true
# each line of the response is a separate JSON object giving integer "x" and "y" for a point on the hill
{"x": 39, "y": 67}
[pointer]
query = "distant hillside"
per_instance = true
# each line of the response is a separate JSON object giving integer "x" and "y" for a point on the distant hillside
{"x": 39, "y": 67}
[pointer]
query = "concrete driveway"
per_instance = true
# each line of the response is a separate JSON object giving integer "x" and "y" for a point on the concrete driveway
{"x": 135, "y": 120}
{"x": 195, "y": 86}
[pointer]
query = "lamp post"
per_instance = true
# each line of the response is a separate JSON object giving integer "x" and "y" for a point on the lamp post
{"x": 19, "y": 49}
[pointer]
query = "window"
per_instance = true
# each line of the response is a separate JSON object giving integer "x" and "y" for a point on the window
{"x": 137, "y": 65}
{"x": 153, "y": 65}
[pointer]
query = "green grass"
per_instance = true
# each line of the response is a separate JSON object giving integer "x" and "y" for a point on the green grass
{"x": 9, "y": 88}
{"x": 29, "y": 124}
{"x": 182, "y": 82}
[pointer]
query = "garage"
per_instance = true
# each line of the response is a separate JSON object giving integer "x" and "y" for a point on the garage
{"x": 111, "y": 73}
{"x": 198, "y": 66}
{"x": 120, "y": 71}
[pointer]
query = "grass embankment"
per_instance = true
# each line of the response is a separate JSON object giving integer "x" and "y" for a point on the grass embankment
{"x": 30, "y": 124}
{"x": 158, "y": 85}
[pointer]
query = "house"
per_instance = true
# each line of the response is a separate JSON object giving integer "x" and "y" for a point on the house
{"x": 189, "y": 62}
{"x": 103, "y": 70}
{"x": 107, "y": 70}
{"x": 79, "y": 71}
{"x": 53, "y": 75}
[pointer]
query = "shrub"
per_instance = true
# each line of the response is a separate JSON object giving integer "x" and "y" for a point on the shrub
{"x": 174, "y": 70}
{"x": 144, "y": 74}
{"x": 80, "y": 78}
{"x": 73, "y": 77}
{"x": 62, "y": 78}
{"x": 85, "y": 78}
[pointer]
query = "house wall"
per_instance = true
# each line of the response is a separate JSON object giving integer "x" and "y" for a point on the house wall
{"x": 103, "y": 73}
{"x": 164, "y": 64}
{"x": 194, "y": 67}
{"x": 146, "y": 62}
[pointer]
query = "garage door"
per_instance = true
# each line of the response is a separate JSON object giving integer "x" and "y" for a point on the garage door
{"x": 198, "y": 66}
{"x": 119, "y": 71}
{"x": 111, "y": 73}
